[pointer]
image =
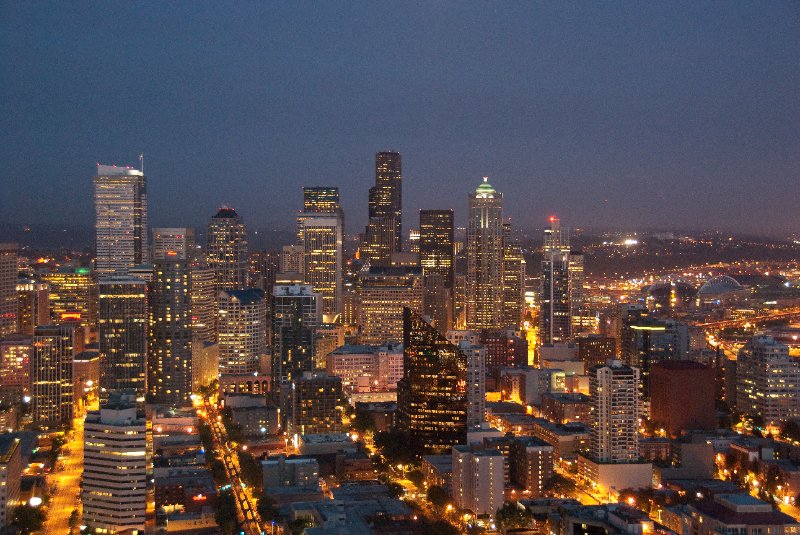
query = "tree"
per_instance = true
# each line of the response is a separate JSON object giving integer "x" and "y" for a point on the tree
{"x": 363, "y": 422}
{"x": 298, "y": 525}
{"x": 790, "y": 430}
{"x": 394, "y": 446}
{"x": 396, "y": 490}
{"x": 416, "y": 477}
{"x": 225, "y": 515}
{"x": 513, "y": 515}
{"x": 266, "y": 509}
{"x": 441, "y": 527}
{"x": 438, "y": 496}
{"x": 252, "y": 473}
{"x": 27, "y": 519}
{"x": 559, "y": 485}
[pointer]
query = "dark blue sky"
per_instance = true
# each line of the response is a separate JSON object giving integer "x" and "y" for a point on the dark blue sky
{"x": 629, "y": 114}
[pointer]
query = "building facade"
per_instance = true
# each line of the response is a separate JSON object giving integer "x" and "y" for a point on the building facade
{"x": 484, "y": 292}
{"x": 54, "y": 349}
{"x": 226, "y": 250}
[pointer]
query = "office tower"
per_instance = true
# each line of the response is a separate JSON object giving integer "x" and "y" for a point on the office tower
{"x": 484, "y": 292}
{"x": 614, "y": 413}
{"x": 581, "y": 319}
{"x": 73, "y": 297}
{"x": 322, "y": 255}
{"x": 226, "y": 250}
{"x": 113, "y": 489}
{"x": 767, "y": 380}
{"x": 33, "y": 305}
{"x": 51, "y": 374}
{"x": 432, "y": 395}
{"x": 555, "y": 325}
{"x": 120, "y": 202}
{"x": 169, "y": 363}
{"x": 297, "y": 312}
{"x": 264, "y": 267}
{"x": 476, "y": 381}
{"x": 513, "y": 280}
{"x": 178, "y": 241}
{"x": 292, "y": 260}
{"x": 8, "y": 288}
{"x": 15, "y": 368}
{"x": 242, "y": 332}
{"x": 318, "y": 200}
{"x": 384, "y": 292}
{"x": 531, "y": 465}
{"x": 315, "y": 397}
{"x": 203, "y": 300}
{"x": 682, "y": 397}
{"x": 478, "y": 480}
{"x": 596, "y": 349}
{"x": 438, "y": 266}
{"x": 384, "y": 234}
{"x": 10, "y": 475}
{"x": 123, "y": 335}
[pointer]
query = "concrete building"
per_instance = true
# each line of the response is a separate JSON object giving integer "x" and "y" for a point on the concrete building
{"x": 296, "y": 314}
{"x": 531, "y": 464}
{"x": 735, "y": 513}
{"x": 15, "y": 368}
{"x": 10, "y": 475}
{"x": 297, "y": 472}
{"x": 120, "y": 201}
{"x": 484, "y": 291}
{"x": 681, "y": 397}
{"x": 322, "y": 239}
{"x": 384, "y": 292}
{"x": 767, "y": 380}
{"x": 9, "y": 271}
{"x": 476, "y": 381}
{"x": 316, "y": 402}
{"x": 179, "y": 241}
{"x": 478, "y": 480}
{"x": 367, "y": 368}
{"x": 54, "y": 348}
{"x": 33, "y": 303}
{"x": 73, "y": 298}
{"x": 241, "y": 329}
{"x": 226, "y": 250}
{"x": 114, "y": 490}
{"x": 565, "y": 407}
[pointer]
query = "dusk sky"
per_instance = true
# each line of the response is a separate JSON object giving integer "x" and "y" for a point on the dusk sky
{"x": 658, "y": 115}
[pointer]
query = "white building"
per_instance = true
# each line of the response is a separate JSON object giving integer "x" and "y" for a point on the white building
{"x": 476, "y": 381}
{"x": 242, "y": 330}
{"x": 767, "y": 380}
{"x": 364, "y": 368}
{"x": 614, "y": 413}
{"x": 478, "y": 480}
{"x": 114, "y": 471}
{"x": 120, "y": 201}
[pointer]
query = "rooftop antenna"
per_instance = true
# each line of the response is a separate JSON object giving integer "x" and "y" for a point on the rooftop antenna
{"x": 141, "y": 162}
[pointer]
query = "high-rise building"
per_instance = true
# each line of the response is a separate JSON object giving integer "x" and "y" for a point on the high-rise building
{"x": 484, "y": 292}
{"x": 767, "y": 380}
{"x": 73, "y": 297}
{"x": 9, "y": 270}
{"x": 432, "y": 395}
{"x": 437, "y": 259}
{"x": 169, "y": 363}
{"x": 384, "y": 292}
{"x": 242, "y": 332}
{"x": 10, "y": 477}
{"x": 513, "y": 280}
{"x": 596, "y": 349}
{"x": 15, "y": 368}
{"x": 316, "y": 397}
{"x": 478, "y": 480}
{"x": 123, "y": 335}
{"x": 120, "y": 201}
{"x": 384, "y": 233}
{"x": 297, "y": 312}
{"x": 114, "y": 483}
{"x": 318, "y": 200}
{"x": 681, "y": 398}
{"x": 614, "y": 413}
{"x": 33, "y": 305}
{"x": 178, "y": 242}
{"x": 555, "y": 323}
{"x": 476, "y": 381}
{"x": 531, "y": 461}
{"x": 54, "y": 349}
{"x": 322, "y": 255}
{"x": 226, "y": 250}
{"x": 203, "y": 299}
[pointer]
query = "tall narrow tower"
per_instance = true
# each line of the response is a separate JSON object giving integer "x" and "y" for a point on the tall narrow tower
{"x": 384, "y": 234}
{"x": 227, "y": 250}
{"x": 485, "y": 258}
{"x": 120, "y": 201}
{"x": 321, "y": 234}
{"x": 555, "y": 298}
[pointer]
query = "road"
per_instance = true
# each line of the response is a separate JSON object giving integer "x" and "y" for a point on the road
{"x": 245, "y": 504}
{"x": 66, "y": 483}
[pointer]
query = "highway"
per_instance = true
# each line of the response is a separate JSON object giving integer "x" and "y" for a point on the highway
{"x": 245, "y": 504}
{"x": 66, "y": 483}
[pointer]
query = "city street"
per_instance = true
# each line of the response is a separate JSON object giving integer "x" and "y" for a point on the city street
{"x": 66, "y": 483}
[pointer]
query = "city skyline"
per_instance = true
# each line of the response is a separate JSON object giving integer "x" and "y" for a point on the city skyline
{"x": 657, "y": 117}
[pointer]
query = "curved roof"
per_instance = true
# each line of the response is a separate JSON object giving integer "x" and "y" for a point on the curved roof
{"x": 719, "y": 285}
{"x": 226, "y": 212}
{"x": 485, "y": 187}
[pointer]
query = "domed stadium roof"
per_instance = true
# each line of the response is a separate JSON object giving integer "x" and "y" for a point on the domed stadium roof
{"x": 719, "y": 285}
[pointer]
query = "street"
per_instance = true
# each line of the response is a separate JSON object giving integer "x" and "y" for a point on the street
{"x": 66, "y": 483}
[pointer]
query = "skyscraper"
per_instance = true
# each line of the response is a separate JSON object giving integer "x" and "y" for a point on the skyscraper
{"x": 296, "y": 313}
{"x": 73, "y": 297}
{"x": 555, "y": 323}
{"x": 123, "y": 335}
{"x": 315, "y": 397}
{"x": 120, "y": 201}
{"x": 54, "y": 348}
{"x": 432, "y": 395}
{"x": 614, "y": 413}
{"x": 8, "y": 288}
{"x": 384, "y": 292}
{"x": 513, "y": 279}
{"x": 318, "y": 200}
{"x": 179, "y": 240}
{"x": 169, "y": 364}
{"x": 242, "y": 333}
{"x": 384, "y": 234}
{"x": 226, "y": 250}
{"x": 767, "y": 380}
{"x": 322, "y": 239}
{"x": 436, "y": 256}
{"x": 484, "y": 302}
{"x": 203, "y": 300}
{"x": 114, "y": 486}
{"x": 33, "y": 305}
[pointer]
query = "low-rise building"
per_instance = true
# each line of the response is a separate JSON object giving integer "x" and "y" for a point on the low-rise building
{"x": 478, "y": 480}
{"x": 735, "y": 513}
{"x": 565, "y": 407}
